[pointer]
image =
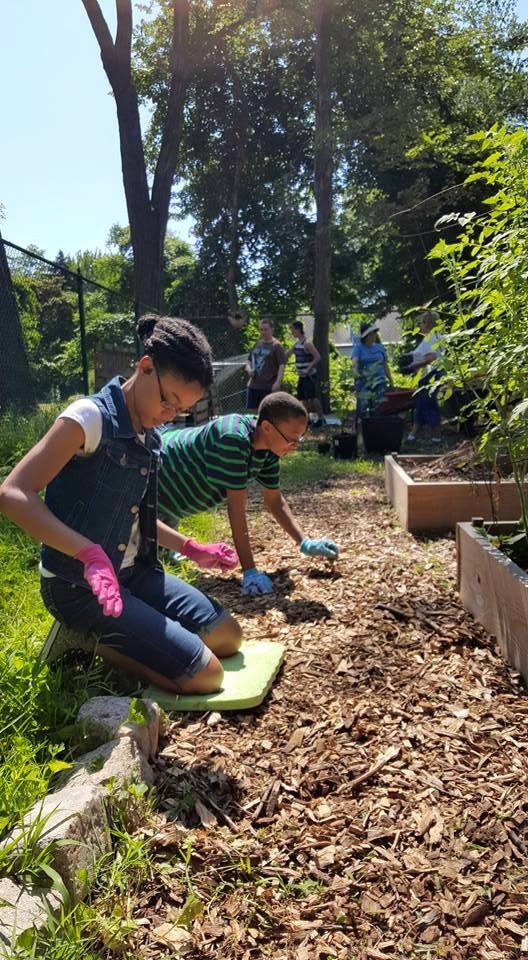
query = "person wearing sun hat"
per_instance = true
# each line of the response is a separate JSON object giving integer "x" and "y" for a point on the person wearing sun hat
{"x": 371, "y": 370}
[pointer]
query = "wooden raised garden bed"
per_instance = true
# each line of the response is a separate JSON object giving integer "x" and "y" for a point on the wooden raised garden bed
{"x": 495, "y": 590}
{"x": 441, "y": 504}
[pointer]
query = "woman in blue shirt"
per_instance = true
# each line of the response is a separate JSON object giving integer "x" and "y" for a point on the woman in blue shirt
{"x": 371, "y": 370}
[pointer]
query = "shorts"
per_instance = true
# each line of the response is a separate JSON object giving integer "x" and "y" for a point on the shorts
{"x": 162, "y": 624}
{"x": 307, "y": 387}
{"x": 255, "y": 396}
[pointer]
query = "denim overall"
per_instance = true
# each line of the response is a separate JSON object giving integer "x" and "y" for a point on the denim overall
{"x": 100, "y": 495}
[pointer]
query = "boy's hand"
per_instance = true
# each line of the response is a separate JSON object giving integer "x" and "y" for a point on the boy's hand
{"x": 254, "y": 582}
{"x": 209, "y": 555}
{"x": 100, "y": 574}
{"x": 319, "y": 548}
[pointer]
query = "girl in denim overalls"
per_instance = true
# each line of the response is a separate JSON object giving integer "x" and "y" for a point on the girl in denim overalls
{"x": 99, "y": 528}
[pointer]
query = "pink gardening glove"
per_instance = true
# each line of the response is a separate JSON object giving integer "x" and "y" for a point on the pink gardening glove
{"x": 100, "y": 574}
{"x": 209, "y": 555}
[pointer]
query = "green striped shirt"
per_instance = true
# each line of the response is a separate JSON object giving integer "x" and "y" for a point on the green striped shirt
{"x": 200, "y": 464}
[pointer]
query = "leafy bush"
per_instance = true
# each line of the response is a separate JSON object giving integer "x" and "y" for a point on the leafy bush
{"x": 484, "y": 325}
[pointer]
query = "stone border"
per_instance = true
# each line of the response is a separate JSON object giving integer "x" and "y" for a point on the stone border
{"x": 127, "y": 730}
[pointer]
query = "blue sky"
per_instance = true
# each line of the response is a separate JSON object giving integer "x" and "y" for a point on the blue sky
{"x": 60, "y": 171}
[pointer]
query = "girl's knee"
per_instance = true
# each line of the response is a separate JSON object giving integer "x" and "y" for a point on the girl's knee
{"x": 226, "y": 638}
{"x": 208, "y": 680}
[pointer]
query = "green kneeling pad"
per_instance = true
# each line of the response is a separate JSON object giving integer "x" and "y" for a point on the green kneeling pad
{"x": 248, "y": 675}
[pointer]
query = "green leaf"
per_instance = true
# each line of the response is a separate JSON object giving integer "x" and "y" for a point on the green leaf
{"x": 55, "y": 765}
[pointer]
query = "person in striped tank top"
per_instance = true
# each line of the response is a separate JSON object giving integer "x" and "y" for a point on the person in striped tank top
{"x": 202, "y": 467}
{"x": 306, "y": 359}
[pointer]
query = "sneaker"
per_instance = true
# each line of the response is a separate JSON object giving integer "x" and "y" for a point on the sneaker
{"x": 61, "y": 640}
{"x": 436, "y": 440}
{"x": 410, "y": 438}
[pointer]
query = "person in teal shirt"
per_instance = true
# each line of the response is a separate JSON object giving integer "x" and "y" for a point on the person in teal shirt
{"x": 204, "y": 466}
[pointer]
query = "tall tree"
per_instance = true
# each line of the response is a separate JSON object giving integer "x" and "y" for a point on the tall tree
{"x": 323, "y": 187}
{"x": 148, "y": 208}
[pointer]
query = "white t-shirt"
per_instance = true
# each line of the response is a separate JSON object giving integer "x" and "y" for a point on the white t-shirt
{"x": 88, "y": 415}
{"x": 430, "y": 344}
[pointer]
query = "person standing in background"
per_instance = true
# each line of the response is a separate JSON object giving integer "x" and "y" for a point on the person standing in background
{"x": 425, "y": 358}
{"x": 307, "y": 358}
{"x": 371, "y": 370}
{"x": 265, "y": 366}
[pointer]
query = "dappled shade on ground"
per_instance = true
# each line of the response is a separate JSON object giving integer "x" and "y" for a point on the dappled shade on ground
{"x": 291, "y": 852}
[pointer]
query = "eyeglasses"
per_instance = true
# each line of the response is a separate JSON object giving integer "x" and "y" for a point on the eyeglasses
{"x": 171, "y": 407}
{"x": 288, "y": 440}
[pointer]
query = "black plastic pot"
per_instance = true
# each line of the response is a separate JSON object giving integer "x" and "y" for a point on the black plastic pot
{"x": 382, "y": 434}
{"x": 345, "y": 446}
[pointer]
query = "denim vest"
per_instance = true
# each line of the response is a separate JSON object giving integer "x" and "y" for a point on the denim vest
{"x": 101, "y": 494}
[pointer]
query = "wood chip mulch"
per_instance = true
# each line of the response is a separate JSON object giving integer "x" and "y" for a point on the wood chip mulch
{"x": 376, "y": 805}
{"x": 463, "y": 463}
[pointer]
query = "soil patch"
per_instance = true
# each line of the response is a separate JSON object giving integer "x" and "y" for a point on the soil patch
{"x": 459, "y": 464}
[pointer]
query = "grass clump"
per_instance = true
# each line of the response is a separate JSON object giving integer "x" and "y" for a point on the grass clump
{"x": 307, "y": 466}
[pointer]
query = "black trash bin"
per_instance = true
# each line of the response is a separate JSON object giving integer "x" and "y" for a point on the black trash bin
{"x": 345, "y": 446}
{"x": 382, "y": 434}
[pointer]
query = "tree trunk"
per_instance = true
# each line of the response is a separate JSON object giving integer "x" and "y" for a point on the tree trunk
{"x": 323, "y": 190}
{"x": 147, "y": 226}
{"x": 148, "y": 211}
{"x": 16, "y": 382}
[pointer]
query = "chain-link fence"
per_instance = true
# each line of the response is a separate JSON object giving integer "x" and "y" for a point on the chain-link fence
{"x": 64, "y": 334}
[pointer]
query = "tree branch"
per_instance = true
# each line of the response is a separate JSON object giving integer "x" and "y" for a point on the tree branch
{"x": 123, "y": 43}
{"x": 173, "y": 124}
{"x": 99, "y": 27}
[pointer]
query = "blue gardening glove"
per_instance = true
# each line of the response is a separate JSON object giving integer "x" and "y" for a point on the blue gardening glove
{"x": 319, "y": 548}
{"x": 254, "y": 582}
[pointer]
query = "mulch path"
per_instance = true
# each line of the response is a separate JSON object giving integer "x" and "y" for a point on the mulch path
{"x": 376, "y": 805}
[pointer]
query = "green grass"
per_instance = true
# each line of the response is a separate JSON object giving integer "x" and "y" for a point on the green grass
{"x": 38, "y": 705}
{"x": 308, "y": 466}
{"x": 19, "y": 432}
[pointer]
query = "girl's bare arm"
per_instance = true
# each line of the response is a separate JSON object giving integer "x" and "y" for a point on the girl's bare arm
{"x": 19, "y": 493}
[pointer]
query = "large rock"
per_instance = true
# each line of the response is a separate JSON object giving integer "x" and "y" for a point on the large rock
{"x": 76, "y": 817}
{"x": 115, "y": 763}
{"x": 23, "y": 908}
{"x": 110, "y": 717}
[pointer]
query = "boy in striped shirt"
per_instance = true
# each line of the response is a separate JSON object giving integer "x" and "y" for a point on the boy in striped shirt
{"x": 203, "y": 466}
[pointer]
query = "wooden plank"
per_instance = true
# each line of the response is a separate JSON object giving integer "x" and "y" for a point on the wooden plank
{"x": 440, "y": 505}
{"x": 397, "y": 482}
{"x": 495, "y": 591}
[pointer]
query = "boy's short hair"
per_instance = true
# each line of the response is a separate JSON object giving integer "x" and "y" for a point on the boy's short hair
{"x": 268, "y": 320}
{"x": 280, "y": 406}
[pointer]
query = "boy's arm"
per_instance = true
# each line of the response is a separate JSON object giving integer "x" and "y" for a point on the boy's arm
{"x": 236, "y": 510}
{"x": 278, "y": 507}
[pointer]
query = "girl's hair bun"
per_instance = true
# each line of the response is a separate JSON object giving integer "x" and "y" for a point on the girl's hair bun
{"x": 146, "y": 325}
